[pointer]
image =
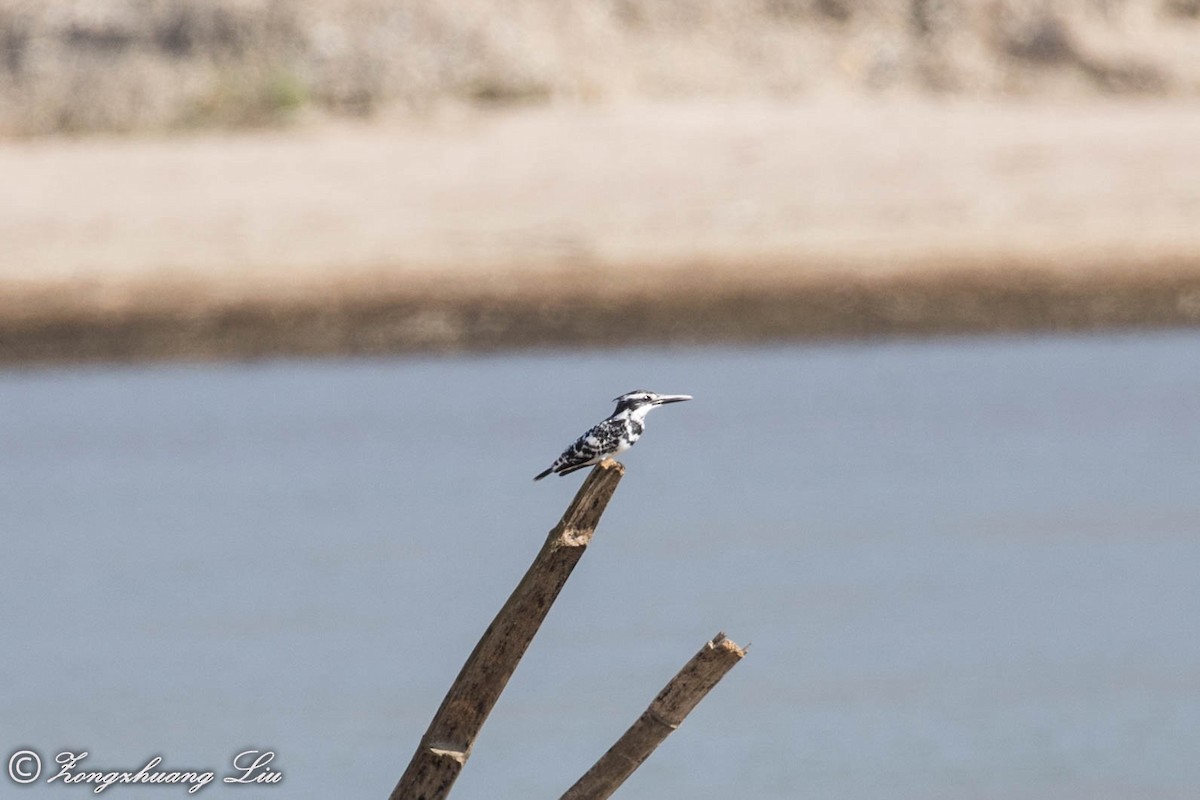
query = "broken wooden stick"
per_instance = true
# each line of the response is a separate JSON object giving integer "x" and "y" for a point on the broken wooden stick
{"x": 656, "y": 723}
{"x": 447, "y": 743}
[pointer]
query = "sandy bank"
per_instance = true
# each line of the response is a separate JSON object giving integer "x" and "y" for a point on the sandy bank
{"x": 603, "y": 225}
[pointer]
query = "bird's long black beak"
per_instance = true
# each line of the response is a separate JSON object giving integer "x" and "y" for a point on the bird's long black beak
{"x": 663, "y": 399}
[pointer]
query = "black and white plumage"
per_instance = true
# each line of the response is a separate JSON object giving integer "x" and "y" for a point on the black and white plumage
{"x": 614, "y": 435}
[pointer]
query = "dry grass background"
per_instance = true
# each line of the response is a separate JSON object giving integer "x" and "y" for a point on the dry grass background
{"x": 105, "y": 65}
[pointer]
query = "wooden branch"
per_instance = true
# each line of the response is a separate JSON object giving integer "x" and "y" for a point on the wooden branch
{"x": 657, "y": 722}
{"x": 447, "y": 743}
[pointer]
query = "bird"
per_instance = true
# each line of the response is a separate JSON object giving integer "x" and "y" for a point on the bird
{"x": 614, "y": 435}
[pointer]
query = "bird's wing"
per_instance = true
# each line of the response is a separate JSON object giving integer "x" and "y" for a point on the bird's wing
{"x": 585, "y": 448}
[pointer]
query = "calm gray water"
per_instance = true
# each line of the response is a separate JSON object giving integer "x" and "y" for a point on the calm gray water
{"x": 968, "y": 569}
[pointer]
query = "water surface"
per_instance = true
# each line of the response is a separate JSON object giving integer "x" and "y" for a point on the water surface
{"x": 967, "y": 568}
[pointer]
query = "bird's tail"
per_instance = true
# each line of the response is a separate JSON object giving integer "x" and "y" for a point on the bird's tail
{"x": 544, "y": 474}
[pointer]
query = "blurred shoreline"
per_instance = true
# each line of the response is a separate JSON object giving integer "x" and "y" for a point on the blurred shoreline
{"x": 257, "y": 177}
{"x": 614, "y": 225}
{"x": 184, "y": 323}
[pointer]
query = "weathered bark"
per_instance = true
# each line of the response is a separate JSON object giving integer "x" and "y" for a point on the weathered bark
{"x": 657, "y": 722}
{"x": 447, "y": 743}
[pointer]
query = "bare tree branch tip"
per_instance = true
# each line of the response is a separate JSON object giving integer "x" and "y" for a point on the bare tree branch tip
{"x": 721, "y": 642}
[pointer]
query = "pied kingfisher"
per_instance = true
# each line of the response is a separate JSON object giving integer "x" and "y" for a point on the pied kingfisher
{"x": 614, "y": 435}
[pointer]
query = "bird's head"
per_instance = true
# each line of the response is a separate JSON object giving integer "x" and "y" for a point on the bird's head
{"x": 642, "y": 400}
